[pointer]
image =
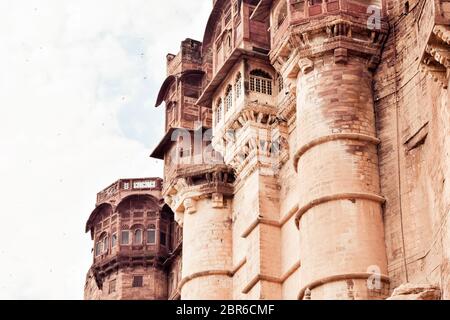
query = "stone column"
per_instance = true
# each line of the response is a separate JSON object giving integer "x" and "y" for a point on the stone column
{"x": 207, "y": 257}
{"x": 340, "y": 209}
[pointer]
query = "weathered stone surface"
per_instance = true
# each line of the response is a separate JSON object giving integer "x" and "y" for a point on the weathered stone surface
{"x": 411, "y": 291}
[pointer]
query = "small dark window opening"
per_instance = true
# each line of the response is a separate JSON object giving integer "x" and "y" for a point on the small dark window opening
{"x": 138, "y": 281}
{"x": 112, "y": 286}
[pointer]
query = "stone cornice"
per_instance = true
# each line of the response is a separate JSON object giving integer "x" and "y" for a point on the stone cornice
{"x": 203, "y": 182}
{"x": 316, "y": 37}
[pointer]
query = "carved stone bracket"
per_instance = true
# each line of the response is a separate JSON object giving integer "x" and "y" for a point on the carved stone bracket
{"x": 199, "y": 182}
{"x": 433, "y": 33}
{"x": 190, "y": 205}
{"x": 306, "y": 65}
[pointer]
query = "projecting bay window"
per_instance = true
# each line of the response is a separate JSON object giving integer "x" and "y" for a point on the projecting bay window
{"x": 260, "y": 82}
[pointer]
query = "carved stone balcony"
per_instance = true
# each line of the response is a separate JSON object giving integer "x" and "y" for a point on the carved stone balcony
{"x": 433, "y": 33}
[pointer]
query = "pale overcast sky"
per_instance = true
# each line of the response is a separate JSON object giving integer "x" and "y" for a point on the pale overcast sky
{"x": 78, "y": 82}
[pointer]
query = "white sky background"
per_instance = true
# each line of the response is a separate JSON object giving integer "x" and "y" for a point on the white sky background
{"x": 78, "y": 82}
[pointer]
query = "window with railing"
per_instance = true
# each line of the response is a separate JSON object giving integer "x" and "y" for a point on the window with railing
{"x": 261, "y": 82}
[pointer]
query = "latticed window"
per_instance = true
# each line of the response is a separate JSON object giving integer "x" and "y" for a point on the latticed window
{"x": 228, "y": 98}
{"x": 261, "y": 82}
{"x": 219, "y": 111}
{"x": 238, "y": 86}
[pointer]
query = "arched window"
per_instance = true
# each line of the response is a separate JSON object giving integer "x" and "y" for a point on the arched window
{"x": 151, "y": 234}
{"x": 238, "y": 86}
{"x": 261, "y": 82}
{"x": 137, "y": 236}
{"x": 219, "y": 111}
{"x": 282, "y": 14}
{"x": 228, "y": 98}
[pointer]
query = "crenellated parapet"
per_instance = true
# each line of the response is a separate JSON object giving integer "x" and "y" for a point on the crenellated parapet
{"x": 433, "y": 31}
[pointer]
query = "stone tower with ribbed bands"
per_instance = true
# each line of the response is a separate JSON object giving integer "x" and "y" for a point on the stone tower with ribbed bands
{"x": 306, "y": 152}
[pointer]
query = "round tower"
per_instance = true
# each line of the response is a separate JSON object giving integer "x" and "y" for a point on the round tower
{"x": 133, "y": 238}
{"x": 342, "y": 248}
{"x": 203, "y": 206}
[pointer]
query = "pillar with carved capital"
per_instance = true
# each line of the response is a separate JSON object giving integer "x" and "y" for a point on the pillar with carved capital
{"x": 340, "y": 212}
